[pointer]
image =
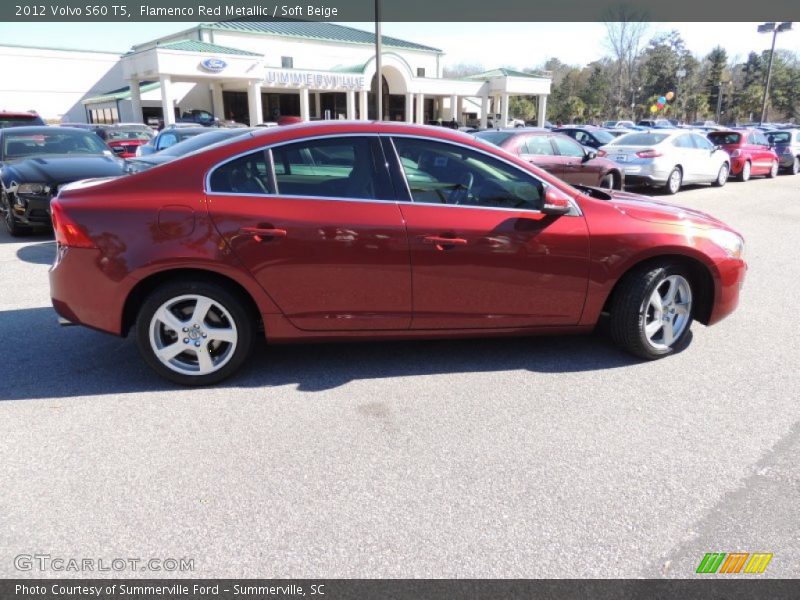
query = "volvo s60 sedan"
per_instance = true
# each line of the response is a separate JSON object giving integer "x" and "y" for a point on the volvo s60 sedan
{"x": 668, "y": 158}
{"x": 342, "y": 230}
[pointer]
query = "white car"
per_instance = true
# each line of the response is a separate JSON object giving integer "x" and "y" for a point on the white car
{"x": 668, "y": 159}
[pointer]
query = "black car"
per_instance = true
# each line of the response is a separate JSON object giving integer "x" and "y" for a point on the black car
{"x": 187, "y": 146}
{"x": 19, "y": 119}
{"x": 169, "y": 137}
{"x": 591, "y": 137}
{"x": 35, "y": 161}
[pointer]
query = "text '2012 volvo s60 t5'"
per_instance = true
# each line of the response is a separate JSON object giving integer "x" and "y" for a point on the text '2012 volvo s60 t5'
{"x": 341, "y": 230}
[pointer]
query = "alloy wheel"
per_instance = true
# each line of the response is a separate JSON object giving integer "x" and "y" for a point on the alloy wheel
{"x": 667, "y": 312}
{"x": 745, "y": 171}
{"x": 722, "y": 176}
{"x": 193, "y": 335}
{"x": 773, "y": 171}
{"x": 796, "y": 166}
{"x": 675, "y": 181}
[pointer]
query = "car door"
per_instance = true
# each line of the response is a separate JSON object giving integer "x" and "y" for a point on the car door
{"x": 539, "y": 150}
{"x": 577, "y": 169}
{"x": 316, "y": 224}
{"x": 765, "y": 152}
{"x": 708, "y": 159}
{"x": 482, "y": 255}
{"x": 688, "y": 157}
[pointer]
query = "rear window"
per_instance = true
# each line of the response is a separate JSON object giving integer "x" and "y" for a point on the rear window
{"x": 494, "y": 137}
{"x": 639, "y": 139}
{"x": 20, "y": 120}
{"x": 779, "y": 137}
{"x": 603, "y": 137}
{"x": 725, "y": 137}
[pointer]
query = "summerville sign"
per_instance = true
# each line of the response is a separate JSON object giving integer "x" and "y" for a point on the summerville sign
{"x": 314, "y": 80}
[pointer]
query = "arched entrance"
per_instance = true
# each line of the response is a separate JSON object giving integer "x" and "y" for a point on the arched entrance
{"x": 394, "y": 87}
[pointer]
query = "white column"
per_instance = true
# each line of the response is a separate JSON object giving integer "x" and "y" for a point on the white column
{"x": 167, "y": 103}
{"x": 409, "y": 107}
{"x": 484, "y": 111}
{"x": 460, "y": 110}
{"x": 305, "y": 109}
{"x": 217, "y": 102}
{"x": 363, "y": 108}
{"x": 318, "y": 105}
{"x": 541, "y": 115}
{"x": 351, "y": 104}
{"x": 420, "y": 117}
{"x": 454, "y": 114}
{"x": 504, "y": 110}
{"x": 136, "y": 102}
{"x": 254, "y": 102}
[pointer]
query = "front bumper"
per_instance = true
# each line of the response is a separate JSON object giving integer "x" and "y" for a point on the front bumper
{"x": 32, "y": 210}
{"x": 732, "y": 273}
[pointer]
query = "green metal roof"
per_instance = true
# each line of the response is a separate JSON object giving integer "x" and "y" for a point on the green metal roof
{"x": 502, "y": 72}
{"x": 205, "y": 47}
{"x": 317, "y": 31}
{"x": 122, "y": 93}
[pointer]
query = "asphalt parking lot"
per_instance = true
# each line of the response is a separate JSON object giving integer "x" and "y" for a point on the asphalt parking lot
{"x": 539, "y": 457}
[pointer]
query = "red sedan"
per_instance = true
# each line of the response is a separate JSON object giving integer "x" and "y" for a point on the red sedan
{"x": 751, "y": 152}
{"x": 340, "y": 230}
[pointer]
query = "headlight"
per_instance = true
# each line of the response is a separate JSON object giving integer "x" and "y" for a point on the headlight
{"x": 732, "y": 243}
{"x": 33, "y": 189}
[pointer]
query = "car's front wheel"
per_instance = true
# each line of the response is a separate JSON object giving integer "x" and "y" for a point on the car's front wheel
{"x": 194, "y": 333}
{"x": 651, "y": 312}
{"x": 14, "y": 227}
{"x": 722, "y": 175}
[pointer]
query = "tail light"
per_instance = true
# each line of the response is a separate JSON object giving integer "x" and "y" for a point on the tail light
{"x": 736, "y": 153}
{"x": 67, "y": 232}
{"x": 602, "y": 153}
{"x": 787, "y": 150}
{"x": 649, "y": 153}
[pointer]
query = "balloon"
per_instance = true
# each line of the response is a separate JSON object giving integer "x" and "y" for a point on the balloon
{"x": 653, "y": 109}
{"x": 670, "y": 95}
{"x": 662, "y": 100}
{"x": 659, "y": 105}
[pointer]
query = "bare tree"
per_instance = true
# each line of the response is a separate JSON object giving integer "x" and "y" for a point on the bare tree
{"x": 462, "y": 70}
{"x": 625, "y": 29}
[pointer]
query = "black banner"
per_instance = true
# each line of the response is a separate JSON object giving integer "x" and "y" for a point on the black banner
{"x": 733, "y": 588}
{"x": 396, "y": 11}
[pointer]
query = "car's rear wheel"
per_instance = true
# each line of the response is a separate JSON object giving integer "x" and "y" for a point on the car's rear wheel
{"x": 607, "y": 182}
{"x": 651, "y": 313}
{"x": 773, "y": 170}
{"x": 745, "y": 174}
{"x": 674, "y": 181}
{"x": 795, "y": 169}
{"x": 722, "y": 176}
{"x": 194, "y": 333}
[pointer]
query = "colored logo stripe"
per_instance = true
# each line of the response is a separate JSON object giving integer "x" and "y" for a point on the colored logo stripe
{"x": 734, "y": 562}
{"x": 758, "y": 563}
{"x": 713, "y": 562}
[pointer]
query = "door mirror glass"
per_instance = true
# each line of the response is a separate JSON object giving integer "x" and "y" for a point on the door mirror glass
{"x": 590, "y": 155}
{"x": 556, "y": 202}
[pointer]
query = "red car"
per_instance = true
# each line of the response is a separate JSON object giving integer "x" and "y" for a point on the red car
{"x": 558, "y": 154}
{"x": 341, "y": 230}
{"x": 751, "y": 152}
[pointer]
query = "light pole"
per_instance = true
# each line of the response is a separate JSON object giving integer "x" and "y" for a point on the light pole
{"x": 378, "y": 69}
{"x": 774, "y": 29}
{"x": 633, "y": 102}
{"x": 719, "y": 99}
{"x": 679, "y": 74}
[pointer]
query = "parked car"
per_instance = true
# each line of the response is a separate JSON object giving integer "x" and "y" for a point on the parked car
{"x": 315, "y": 232}
{"x": 192, "y": 144}
{"x": 169, "y": 137}
{"x": 609, "y": 124}
{"x": 198, "y": 117}
{"x": 36, "y": 161}
{"x": 750, "y": 152}
{"x": 19, "y": 119}
{"x": 668, "y": 159}
{"x": 559, "y": 155}
{"x": 592, "y": 137}
{"x": 655, "y": 123}
{"x": 786, "y": 143}
{"x": 124, "y": 140}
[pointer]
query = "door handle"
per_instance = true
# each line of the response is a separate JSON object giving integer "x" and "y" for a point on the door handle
{"x": 442, "y": 241}
{"x": 260, "y": 233}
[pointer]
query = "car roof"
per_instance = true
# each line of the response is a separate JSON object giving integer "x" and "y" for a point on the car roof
{"x": 35, "y": 129}
{"x": 21, "y": 113}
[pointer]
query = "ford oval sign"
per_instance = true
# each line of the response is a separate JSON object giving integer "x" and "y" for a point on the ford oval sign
{"x": 213, "y": 65}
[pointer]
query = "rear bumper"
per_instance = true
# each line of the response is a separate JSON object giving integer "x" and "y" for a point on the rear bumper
{"x": 786, "y": 161}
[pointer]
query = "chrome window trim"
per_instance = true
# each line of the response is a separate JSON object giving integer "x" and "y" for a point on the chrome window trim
{"x": 576, "y": 211}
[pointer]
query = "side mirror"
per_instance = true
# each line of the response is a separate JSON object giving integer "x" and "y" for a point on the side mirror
{"x": 589, "y": 155}
{"x": 556, "y": 202}
{"x": 117, "y": 149}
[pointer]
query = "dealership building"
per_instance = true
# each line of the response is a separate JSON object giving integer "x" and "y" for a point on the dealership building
{"x": 255, "y": 72}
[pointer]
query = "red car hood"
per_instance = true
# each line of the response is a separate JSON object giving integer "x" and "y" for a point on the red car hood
{"x": 646, "y": 208}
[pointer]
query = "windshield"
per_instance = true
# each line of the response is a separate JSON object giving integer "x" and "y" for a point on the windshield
{"x": 494, "y": 137}
{"x": 779, "y": 137}
{"x": 59, "y": 141}
{"x": 202, "y": 141}
{"x": 639, "y": 139}
{"x": 725, "y": 137}
{"x": 130, "y": 134}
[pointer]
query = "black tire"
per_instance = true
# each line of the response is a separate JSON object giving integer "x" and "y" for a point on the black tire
{"x": 14, "y": 227}
{"x": 773, "y": 170}
{"x": 722, "y": 179}
{"x": 670, "y": 186}
{"x": 242, "y": 317}
{"x": 795, "y": 168}
{"x": 607, "y": 182}
{"x": 629, "y": 310}
{"x": 745, "y": 174}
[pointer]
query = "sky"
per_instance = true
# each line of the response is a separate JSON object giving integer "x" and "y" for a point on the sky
{"x": 515, "y": 45}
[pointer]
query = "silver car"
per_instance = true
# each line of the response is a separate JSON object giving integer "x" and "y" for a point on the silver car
{"x": 787, "y": 146}
{"x": 668, "y": 158}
